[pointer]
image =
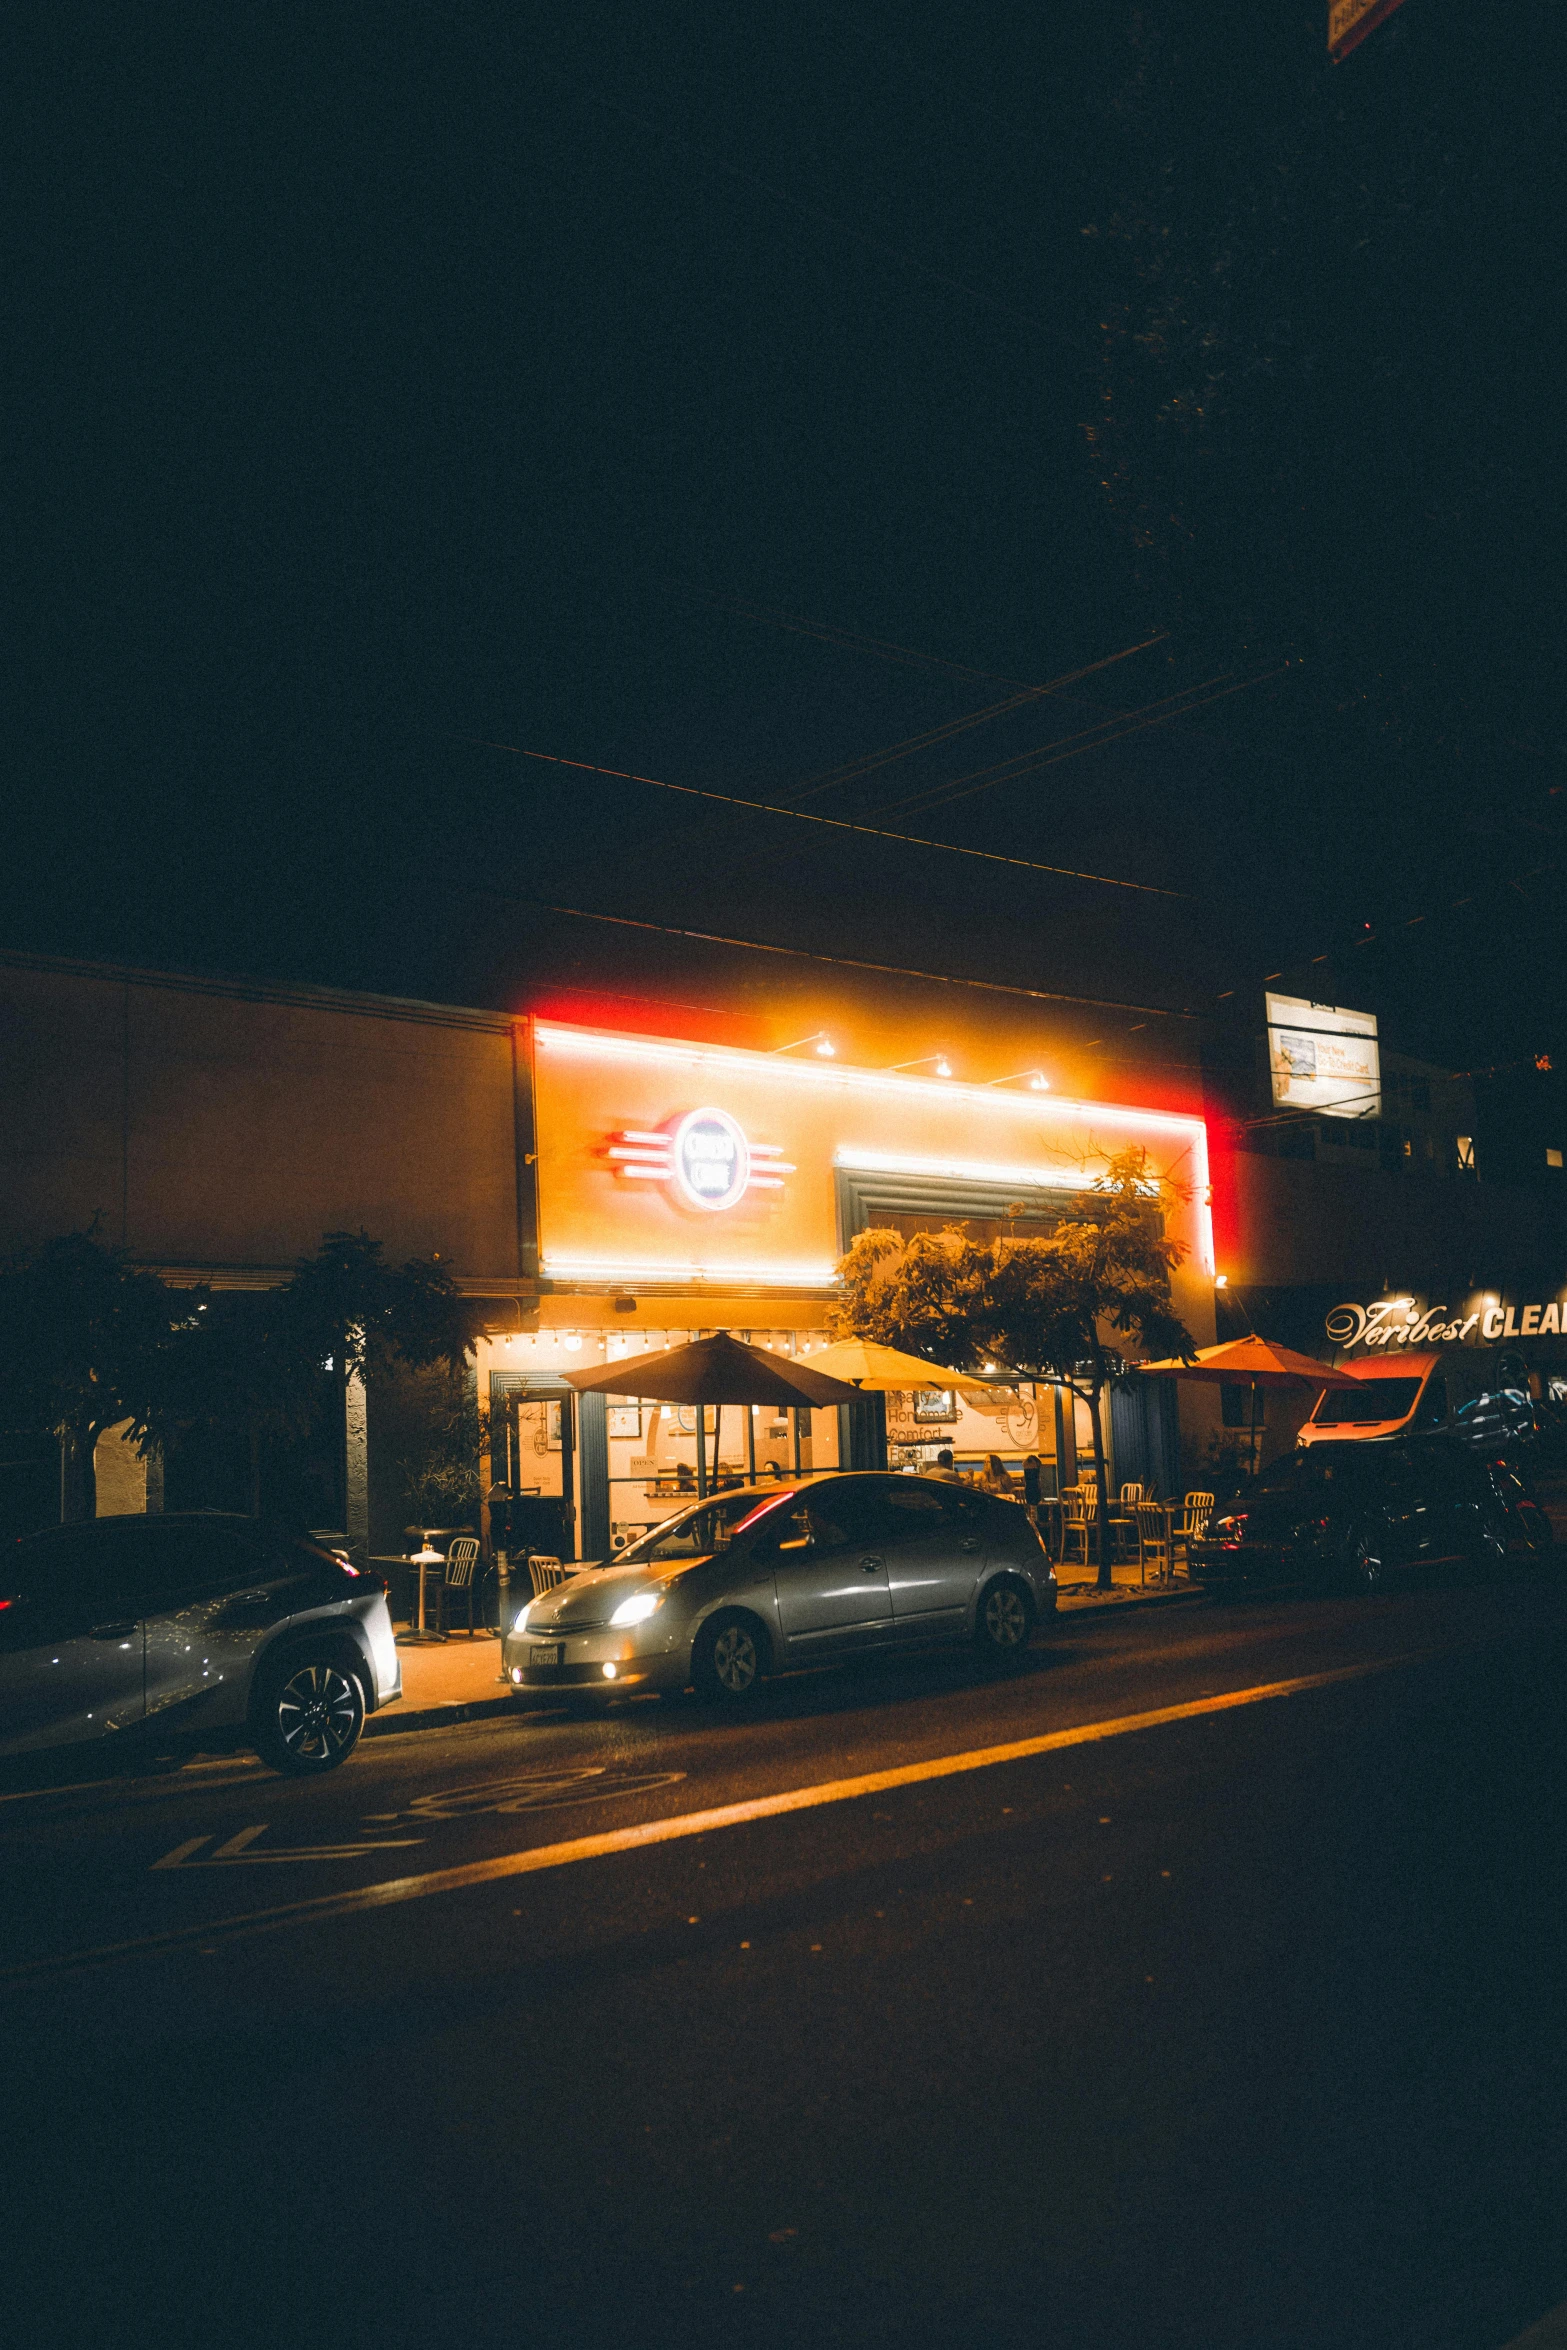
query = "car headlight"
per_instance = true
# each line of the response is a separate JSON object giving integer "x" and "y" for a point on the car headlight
{"x": 520, "y": 1620}
{"x": 638, "y": 1607}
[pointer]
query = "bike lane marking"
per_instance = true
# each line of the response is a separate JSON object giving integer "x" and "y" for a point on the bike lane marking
{"x": 534, "y": 1858}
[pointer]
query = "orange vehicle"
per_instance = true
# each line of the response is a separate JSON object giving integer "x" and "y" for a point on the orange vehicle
{"x": 1479, "y": 1394}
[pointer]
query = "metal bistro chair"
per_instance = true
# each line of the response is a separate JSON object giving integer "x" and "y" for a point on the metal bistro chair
{"x": 545, "y": 1574}
{"x": 1079, "y": 1509}
{"x": 1192, "y": 1524}
{"x": 1153, "y": 1540}
{"x": 461, "y": 1574}
{"x": 1125, "y": 1525}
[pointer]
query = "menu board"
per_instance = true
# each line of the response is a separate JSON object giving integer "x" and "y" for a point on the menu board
{"x": 1323, "y": 1058}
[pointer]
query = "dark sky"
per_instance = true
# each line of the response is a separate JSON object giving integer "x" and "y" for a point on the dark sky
{"x": 390, "y": 381}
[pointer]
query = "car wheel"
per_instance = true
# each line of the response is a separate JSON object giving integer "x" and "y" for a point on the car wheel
{"x": 309, "y": 1715}
{"x": 730, "y": 1659}
{"x": 1365, "y": 1562}
{"x": 1003, "y": 1622}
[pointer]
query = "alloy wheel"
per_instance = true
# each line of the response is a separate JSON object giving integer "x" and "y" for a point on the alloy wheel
{"x": 1004, "y": 1618}
{"x": 735, "y": 1660}
{"x": 319, "y": 1715}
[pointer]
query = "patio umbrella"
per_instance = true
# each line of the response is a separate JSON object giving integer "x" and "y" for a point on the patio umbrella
{"x": 878, "y": 1369}
{"x": 1250, "y": 1362}
{"x": 715, "y": 1370}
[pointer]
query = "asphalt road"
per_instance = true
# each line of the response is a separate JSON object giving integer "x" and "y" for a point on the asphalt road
{"x": 1238, "y": 2027}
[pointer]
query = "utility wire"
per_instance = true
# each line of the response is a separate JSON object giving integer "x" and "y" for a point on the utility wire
{"x": 913, "y": 840}
{"x": 1073, "y": 746}
{"x": 759, "y": 946}
{"x": 831, "y": 778}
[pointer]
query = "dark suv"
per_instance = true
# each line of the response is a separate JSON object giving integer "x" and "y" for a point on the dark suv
{"x": 202, "y": 1624}
{"x": 1356, "y": 1511}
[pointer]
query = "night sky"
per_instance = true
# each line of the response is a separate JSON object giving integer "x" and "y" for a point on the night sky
{"x": 729, "y": 395}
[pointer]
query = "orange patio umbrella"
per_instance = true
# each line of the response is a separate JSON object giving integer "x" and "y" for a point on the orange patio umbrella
{"x": 1254, "y": 1362}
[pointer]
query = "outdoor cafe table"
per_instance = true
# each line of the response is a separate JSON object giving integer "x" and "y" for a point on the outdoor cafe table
{"x": 417, "y": 1634}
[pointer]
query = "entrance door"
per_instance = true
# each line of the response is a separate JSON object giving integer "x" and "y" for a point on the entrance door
{"x": 833, "y": 1592}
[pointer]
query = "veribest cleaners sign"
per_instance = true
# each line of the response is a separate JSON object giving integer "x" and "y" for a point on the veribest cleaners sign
{"x": 1482, "y": 1320}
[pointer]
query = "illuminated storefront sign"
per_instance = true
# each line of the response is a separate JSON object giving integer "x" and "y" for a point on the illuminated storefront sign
{"x": 661, "y": 1163}
{"x": 1481, "y": 1320}
{"x": 706, "y": 1156}
{"x": 1323, "y": 1058}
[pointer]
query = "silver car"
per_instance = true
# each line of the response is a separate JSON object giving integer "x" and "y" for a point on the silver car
{"x": 212, "y": 1625}
{"x": 770, "y": 1578}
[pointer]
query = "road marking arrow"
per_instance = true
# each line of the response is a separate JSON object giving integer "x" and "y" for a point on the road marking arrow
{"x": 240, "y": 1849}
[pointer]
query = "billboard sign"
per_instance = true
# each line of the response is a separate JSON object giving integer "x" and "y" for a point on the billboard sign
{"x": 1349, "y": 21}
{"x": 1323, "y": 1058}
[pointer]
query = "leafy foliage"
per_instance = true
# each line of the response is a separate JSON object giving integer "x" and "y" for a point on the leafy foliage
{"x": 1069, "y": 1308}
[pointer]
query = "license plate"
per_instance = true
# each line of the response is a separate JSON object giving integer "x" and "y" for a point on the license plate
{"x": 547, "y": 1656}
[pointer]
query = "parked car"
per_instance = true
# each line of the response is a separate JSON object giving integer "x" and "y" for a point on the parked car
{"x": 1357, "y": 1511}
{"x": 767, "y": 1579}
{"x": 191, "y": 1624}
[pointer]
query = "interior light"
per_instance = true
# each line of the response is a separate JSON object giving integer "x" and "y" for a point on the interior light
{"x": 1221, "y": 1281}
{"x": 573, "y": 1341}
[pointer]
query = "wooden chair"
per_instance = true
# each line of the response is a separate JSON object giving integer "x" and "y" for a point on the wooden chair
{"x": 461, "y": 1574}
{"x": 1153, "y": 1540}
{"x": 1192, "y": 1524}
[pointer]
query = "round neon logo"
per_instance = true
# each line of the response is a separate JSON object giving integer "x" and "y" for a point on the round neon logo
{"x": 712, "y": 1161}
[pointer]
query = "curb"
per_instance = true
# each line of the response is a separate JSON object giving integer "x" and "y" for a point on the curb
{"x": 391, "y": 1719}
{"x": 1094, "y": 1605}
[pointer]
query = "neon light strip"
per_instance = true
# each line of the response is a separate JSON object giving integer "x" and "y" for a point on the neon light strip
{"x": 754, "y": 1271}
{"x": 591, "y": 1044}
{"x": 965, "y": 1171}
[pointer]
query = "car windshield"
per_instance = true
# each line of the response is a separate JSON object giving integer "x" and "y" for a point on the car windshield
{"x": 697, "y": 1532}
{"x": 1368, "y": 1399}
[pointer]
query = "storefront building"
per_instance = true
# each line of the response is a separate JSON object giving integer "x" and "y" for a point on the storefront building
{"x": 680, "y": 1188}
{"x": 595, "y": 1193}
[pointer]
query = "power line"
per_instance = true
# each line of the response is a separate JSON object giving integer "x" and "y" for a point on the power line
{"x": 1073, "y": 746}
{"x": 913, "y": 840}
{"x": 852, "y": 769}
{"x": 759, "y": 946}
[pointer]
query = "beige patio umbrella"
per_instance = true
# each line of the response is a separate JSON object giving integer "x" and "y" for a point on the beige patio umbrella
{"x": 880, "y": 1369}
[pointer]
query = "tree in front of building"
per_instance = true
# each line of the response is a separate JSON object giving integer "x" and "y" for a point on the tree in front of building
{"x": 88, "y": 1342}
{"x": 1070, "y": 1308}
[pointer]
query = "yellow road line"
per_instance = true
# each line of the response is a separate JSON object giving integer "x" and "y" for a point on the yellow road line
{"x": 692, "y": 1823}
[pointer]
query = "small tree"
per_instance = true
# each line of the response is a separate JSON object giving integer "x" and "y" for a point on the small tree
{"x": 88, "y": 1341}
{"x": 1051, "y": 1309}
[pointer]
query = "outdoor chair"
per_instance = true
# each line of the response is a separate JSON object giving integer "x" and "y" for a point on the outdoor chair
{"x": 1153, "y": 1540}
{"x": 1079, "y": 1509}
{"x": 1124, "y": 1534}
{"x": 461, "y": 1575}
{"x": 1192, "y": 1524}
{"x": 545, "y": 1574}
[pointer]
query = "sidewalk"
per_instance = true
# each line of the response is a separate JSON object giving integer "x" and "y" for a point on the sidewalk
{"x": 459, "y": 1680}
